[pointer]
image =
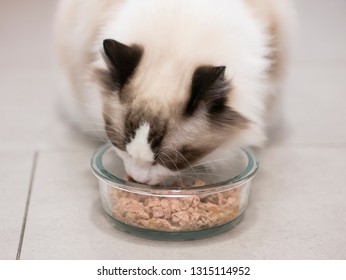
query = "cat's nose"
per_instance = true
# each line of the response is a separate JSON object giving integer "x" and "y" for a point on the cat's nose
{"x": 141, "y": 178}
{"x": 145, "y": 178}
{"x": 138, "y": 172}
{"x": 143, "y": 175}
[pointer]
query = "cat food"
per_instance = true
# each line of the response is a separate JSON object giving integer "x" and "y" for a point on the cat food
{"x": 199, "y": 203}
{"x": 174, "y": 214}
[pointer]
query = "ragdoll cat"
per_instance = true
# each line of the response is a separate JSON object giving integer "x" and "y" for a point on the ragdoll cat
{"x": 175, "y": 82}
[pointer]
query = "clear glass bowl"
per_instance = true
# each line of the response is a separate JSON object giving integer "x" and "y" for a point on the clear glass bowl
{"x": 200, "y": 202}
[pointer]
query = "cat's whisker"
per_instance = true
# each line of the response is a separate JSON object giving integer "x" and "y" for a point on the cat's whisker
{"x": 96, "y": 138}
{"x": 93, "y": 107}
{"x": 102, "y": 126}
{"x": 92, "y": 123}
{"x": 101, "y": 111}
{"x": 204, "y": 173}
{"x": 179, "y": 173}
{"x": 210, "y": 161}
{"x": 95, "y": 131}
{"x": 164, "y": 183}
{"x": 183, "y": 157}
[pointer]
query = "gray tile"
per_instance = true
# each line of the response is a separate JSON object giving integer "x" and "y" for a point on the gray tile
{"x": 61, "y": 213}
{"x": 15, "y": 173}
{"x": 30, "y": 114}
{"x": 314, "y": 94}
{"x": 296, "y": 211}
{"x": 30, "y": 88}
{"x": 321, "y": 31}
{"x": 297, "y": 205}
{"x": 26, "y": 33}
{"x": 314, "y": 105}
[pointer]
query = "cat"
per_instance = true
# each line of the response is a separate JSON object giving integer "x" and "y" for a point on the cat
{"x": 176, "y": 82}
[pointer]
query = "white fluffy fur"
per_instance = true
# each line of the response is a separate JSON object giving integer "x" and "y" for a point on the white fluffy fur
{"x": 237, "y": 39}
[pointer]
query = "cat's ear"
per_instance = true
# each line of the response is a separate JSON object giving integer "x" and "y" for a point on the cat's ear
{"x": 210, "y": 87}
{"x": 122, "y": 61}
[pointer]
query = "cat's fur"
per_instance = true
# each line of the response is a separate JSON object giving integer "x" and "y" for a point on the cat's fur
{"x": 176, "y": 82}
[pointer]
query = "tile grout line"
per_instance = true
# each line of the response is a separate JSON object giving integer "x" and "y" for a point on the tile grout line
{"x": 27, "y": 204}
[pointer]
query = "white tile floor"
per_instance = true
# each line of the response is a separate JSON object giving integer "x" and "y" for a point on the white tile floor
{"x": 49, "y": 203}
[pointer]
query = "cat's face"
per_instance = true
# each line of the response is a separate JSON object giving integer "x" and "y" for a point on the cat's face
{"x": 159, "y": 126}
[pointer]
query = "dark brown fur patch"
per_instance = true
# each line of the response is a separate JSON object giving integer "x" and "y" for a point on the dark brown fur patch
{"x": 228, "y": 118}
{"x": 121, "y": 61}
{"x": 209, "y": 88}
{"x": 181, "y": 158}
{"x": 158, "y": 130}
{"x": 158, "y": 127}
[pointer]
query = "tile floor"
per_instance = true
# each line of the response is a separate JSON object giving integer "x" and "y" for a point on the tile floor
{"x": 49, "y": 203}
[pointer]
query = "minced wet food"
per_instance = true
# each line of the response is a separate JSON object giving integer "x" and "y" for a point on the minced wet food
{"x": 175, "y": 214}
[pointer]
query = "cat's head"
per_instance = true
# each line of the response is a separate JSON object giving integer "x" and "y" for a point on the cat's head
{"x": 166, "y": 117}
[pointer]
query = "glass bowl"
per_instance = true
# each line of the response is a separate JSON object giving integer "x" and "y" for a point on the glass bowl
{"x": 201, "y": 202}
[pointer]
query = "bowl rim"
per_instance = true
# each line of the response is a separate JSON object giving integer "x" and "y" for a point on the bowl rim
{"x": 102, "y": 174}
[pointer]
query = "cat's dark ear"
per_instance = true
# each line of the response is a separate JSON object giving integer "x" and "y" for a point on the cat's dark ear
{"x": 122, "y": 61}
{"x": 210, "y": 87}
